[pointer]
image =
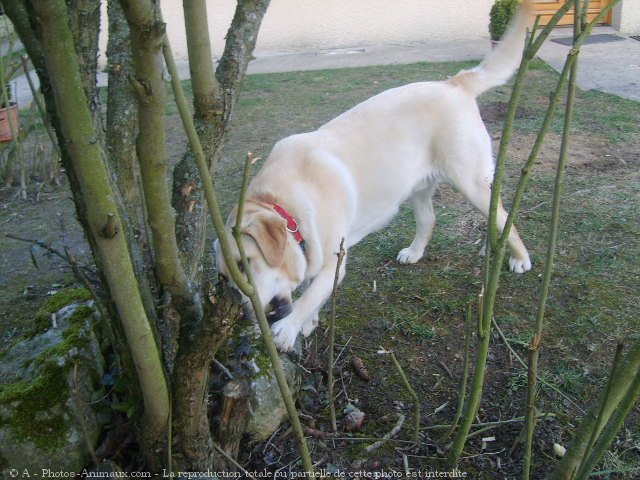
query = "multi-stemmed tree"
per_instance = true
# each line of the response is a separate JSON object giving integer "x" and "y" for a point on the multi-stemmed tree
{"x": 148, "y": 242}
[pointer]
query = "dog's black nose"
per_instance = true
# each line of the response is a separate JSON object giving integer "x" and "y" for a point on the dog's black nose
{"x": 278, "y": 309}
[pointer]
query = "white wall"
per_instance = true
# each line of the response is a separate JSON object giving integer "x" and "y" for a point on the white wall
{"x": 311, "y": 25}
{"x": 626, "y": 16}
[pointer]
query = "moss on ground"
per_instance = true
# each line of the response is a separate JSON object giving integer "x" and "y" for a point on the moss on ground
{"x": 60, "y": 300}
{"x": 74, "y": 337}
{"x": 36, "y": 408}
{"x": 38, "y": 412}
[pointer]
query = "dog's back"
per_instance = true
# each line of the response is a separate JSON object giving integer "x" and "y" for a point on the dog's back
{"x": 403, "y": 136}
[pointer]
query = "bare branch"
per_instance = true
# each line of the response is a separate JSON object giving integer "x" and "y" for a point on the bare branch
{"x": 147, "y": 38}
{"x": 241, "y": 40}
{"x": 215, "y": 96}
{"x": 332, "y": 332}
{"x": 206, "y": 89}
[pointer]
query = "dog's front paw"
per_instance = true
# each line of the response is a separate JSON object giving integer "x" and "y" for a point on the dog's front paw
{"x": 310, "y": 325}
{"x": 518, "y": 265}
{"x": 284, "y": 335}
{"x": 408, "y": 255}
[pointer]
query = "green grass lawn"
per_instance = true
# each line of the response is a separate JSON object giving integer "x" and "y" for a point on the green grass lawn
{"x": 418, "y": 310}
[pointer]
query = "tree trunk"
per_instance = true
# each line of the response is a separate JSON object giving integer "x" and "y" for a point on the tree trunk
{"x": 213, "y": 110}
{"x": 120, "y": 142}
{"x": 84, "y": 16}
{"x": 20, "y": 14}
{"x": 103, "y": 224}
{"x": 122, "y": 116}
{"x": 188, "y": 197}
{"x": 121, "y": 135}
{"x": 147, "y": 37}
{"x": 197, "y": 349}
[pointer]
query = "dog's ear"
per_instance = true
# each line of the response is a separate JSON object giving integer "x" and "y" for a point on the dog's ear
{"x": 270, "y": 234}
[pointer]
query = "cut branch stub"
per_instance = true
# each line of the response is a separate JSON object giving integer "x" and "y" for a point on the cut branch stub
{"x": 142, "y": 87}
{"x": 110, "y": 228}
{"x": 233, "y": 416}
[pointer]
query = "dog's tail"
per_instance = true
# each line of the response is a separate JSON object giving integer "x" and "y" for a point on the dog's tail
{"x": 503, "y": 60}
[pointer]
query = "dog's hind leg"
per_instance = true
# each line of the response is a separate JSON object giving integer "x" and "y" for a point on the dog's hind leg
{"x": 477, "y": 190}
{"x": 425, "y": 221}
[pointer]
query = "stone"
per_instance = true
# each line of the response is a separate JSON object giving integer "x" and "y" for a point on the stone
{"x": 48, "y": 380}
{"x": 267, "y": 409}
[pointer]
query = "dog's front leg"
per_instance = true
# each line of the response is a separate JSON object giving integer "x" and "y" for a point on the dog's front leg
{"x": 304, "y": 316}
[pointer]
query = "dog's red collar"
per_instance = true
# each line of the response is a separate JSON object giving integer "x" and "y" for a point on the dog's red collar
{"x": 292, "y": 225}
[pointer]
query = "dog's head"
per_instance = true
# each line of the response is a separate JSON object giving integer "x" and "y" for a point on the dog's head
{"x": 276, "y": 261}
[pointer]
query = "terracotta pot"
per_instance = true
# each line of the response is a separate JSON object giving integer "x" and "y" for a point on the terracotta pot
{"x": 9, "y": 115}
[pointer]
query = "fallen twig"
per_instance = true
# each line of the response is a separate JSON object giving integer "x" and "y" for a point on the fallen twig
{"x": 223, "y": 369}
{"x": 344, "y": 388}
{"x": 445, "y": 368}
{"x": 312, "y": 432}
{"x": 607, "y": 473}
{"x": 390, "y": 434}
{"x": 335, "y": 362}
{"x": 484, "y": 453}
{"x": 375, "y": 439}
{"x": 416, "y": 401}
{"x": 490, "y": 424}
{"x": 228, "y": 457}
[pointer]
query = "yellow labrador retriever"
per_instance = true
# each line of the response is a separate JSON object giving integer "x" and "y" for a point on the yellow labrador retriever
{"x": 348, "y": 178}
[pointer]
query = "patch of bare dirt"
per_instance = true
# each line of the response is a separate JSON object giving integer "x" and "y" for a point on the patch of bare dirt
{"x": 30, "y": 273}
{"x": 586, "y": 153}
{"x": 495, "y": 112}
